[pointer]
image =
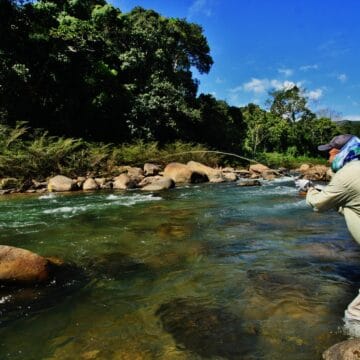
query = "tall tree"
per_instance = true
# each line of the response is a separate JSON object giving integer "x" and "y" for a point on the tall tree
{"x": 83, "y": 68}
{"x": 265, "y": 131}
{"x": 290, "y": 104}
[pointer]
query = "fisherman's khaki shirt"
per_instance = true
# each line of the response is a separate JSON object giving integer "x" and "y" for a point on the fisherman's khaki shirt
{"x": 342, "y": 194}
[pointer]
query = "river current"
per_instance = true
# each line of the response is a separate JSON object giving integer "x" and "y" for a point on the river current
{"x": 208, "y": 271}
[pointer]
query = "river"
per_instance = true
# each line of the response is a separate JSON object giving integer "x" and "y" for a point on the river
{"x": 207, "y": 271}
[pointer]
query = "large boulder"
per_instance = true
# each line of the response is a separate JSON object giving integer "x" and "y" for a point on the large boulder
{"x": 258, "y": 168}
{"x": 90, "y": 184}
{"x": 316, "y": 173}
{"x": 60, "y": 183}
{"x": 270, "y": 174}
{"x": 304, "y": 167}
{"x": 123, "y": 182}
{"x": 212, "y": 174}
{"x": 346, "y": 350}
{"x": 179, "y": 173}
{"x": 23, "y": 266}
{"x": 156, "y": 183}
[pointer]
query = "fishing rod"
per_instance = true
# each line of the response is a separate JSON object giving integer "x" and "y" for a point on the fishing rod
{"x": 212, "y": 151}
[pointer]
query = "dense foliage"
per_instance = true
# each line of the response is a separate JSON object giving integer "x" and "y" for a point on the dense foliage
{"x": 83, "y": 69}
{"x": 27, "y": 154}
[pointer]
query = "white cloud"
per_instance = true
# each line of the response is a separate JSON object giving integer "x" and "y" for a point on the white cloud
{"x": 342, "y": 78}
{"x": 259, "y": 86}
{"x": 352, "y": 117}
{"x": 219, "y": 80}
{"x": 283, "y": 85}
{"x": 236, "y": 89}
{"x": 200, "y": 7}
{"x": 309, "y": 67}
{"x": 314, "y": 95}
{"x": 286, "y": 72}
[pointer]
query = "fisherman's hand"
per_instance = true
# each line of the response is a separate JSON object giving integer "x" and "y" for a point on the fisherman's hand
{"x": 303, "y": 185}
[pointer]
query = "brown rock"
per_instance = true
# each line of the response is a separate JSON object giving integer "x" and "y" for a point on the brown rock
{"x": 100, "y": 181}
{"x": 60, "y": 183}
{"x": 212, "y": 174}
{"x": 180, "y": 173}
{"x": 159, "y": 183}
{"x": 20, "y": 265}
{"x": 123, "y": 182}
{"x": 151, "y": 169}
{"x": 317, "y": 173}
{"x": 346, "y": 350}
{"x": 270, "y": 174}
{"x": 258, "y": 168}
{"x": 135, "y": 172}
{"x": 304, "y": 167}
{"x": 90, "y": 184}
{"x": 230, "y": 176}
{"x": 228, "y": 169}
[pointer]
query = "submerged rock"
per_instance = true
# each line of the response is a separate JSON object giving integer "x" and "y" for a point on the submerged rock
{"x": 206, "y": 330}
{"x": 249, "y": 182}
{"x": 346, "y": 350}
{"x": 115, "y": 266}
{"x": 20, "y": 300}
{"x": 277, "y": 284}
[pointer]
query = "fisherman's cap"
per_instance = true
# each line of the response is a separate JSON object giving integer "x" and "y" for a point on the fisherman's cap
{"x": 337, "y": 142}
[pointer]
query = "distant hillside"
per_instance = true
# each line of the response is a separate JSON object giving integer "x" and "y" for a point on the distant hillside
{"x": 350, "y": 127}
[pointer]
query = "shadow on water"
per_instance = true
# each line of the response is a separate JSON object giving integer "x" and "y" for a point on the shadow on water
{"x": 117, "y": 266}
{"x": 207, "y": 330}
{"x": 22, "y": 301}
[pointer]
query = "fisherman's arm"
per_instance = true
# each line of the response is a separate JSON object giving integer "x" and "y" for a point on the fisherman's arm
{"x": 332, "y": 196}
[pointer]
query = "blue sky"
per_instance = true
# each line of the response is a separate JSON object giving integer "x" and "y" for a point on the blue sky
{"x": 261, "y": 44}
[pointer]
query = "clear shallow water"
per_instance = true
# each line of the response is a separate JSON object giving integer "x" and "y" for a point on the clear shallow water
{"x": 206, "y": 271}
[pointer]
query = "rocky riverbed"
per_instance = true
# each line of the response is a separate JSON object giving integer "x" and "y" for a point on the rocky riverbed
{"x": 152, "y": 177}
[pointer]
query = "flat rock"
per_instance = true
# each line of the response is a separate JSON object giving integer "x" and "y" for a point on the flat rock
{"x": 159, "y": 183}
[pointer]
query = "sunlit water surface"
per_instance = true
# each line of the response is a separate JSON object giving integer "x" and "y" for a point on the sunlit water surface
{"x": 213, "y": 271}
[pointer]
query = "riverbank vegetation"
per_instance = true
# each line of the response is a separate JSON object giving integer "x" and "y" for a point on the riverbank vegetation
{"x": 96, "y": 79}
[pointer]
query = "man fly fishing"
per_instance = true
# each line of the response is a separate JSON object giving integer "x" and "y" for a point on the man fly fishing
{"x": 343, "y": 194}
